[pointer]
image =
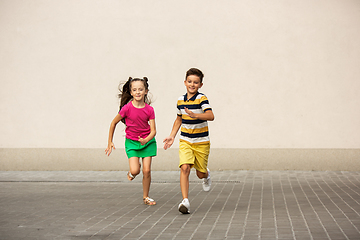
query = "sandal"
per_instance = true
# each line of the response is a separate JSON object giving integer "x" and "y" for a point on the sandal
{"x": 130, "y": 176}
{"x": 149, "y": 201}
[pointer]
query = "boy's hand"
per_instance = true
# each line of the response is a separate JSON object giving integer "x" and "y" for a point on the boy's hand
{"x": 190, "y": 113}
{"x": 168, "y": 142}
{"x": 108, "y": 150}
{"x": 142, "y": 141}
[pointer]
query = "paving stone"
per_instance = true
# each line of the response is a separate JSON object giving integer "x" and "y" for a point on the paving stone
{"x": 240, "y": 205}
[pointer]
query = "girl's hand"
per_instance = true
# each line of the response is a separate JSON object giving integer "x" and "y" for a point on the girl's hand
{"x": 142, "y": 141}
{"x": 108, "y": 150}
{"x": 168, "y": 142}
{"x": 190, "y": 113}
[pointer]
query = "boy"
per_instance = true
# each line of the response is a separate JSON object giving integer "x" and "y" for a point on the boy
{"x": 193, "y": 113}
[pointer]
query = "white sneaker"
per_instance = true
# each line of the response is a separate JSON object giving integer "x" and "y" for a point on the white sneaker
{"x": 207, "y": 182}
{"x": 184, "y": 206}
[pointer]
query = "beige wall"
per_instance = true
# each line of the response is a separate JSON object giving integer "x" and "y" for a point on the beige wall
{"x": 281, "y": 76}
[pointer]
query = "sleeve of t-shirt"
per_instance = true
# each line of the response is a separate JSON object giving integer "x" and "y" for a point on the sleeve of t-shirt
{"x": 123, "y": 111}
{"x": 178, "y": 110}
{"x": 152, "y": 113}
{"x": 205, "y": 105}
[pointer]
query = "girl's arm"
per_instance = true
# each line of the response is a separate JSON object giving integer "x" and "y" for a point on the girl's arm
{"x": 170, "y": 139}
{"x": 111, "y": 145}
{"x": 152, "y": 134}
{"x": 208, "y": 115}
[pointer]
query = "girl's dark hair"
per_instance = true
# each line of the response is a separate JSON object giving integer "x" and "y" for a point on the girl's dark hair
{"x": 196, "y": 72}
{"x": 125, "y": 94}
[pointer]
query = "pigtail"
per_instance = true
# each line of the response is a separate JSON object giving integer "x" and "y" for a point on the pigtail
{"x": 146, "y": 83}
{"x": 124, "y": 95}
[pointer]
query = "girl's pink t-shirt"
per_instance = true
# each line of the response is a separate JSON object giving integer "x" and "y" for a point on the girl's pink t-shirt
{"x": 137, "y": 120}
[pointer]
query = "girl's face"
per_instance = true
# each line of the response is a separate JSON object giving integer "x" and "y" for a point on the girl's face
{"x": 192, "y": 84}
{"x": 138, "y": 90}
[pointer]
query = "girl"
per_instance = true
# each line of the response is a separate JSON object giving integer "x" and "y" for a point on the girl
{"x": 139, "y": 118}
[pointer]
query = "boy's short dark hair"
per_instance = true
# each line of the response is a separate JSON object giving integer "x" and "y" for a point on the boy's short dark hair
{"x": 196, "y": 72}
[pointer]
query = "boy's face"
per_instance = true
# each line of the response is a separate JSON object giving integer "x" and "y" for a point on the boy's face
{"x": 192, "y": 84}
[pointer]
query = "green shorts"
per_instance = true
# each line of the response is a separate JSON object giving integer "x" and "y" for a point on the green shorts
{"x": 135, "y": 149}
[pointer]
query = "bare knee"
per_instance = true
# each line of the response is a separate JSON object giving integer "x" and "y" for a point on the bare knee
{"x": 146, "y": 172}
{"x": 185, "y": 169}
{"x": 135, "y": 172}
{"x": 134, "y": 166}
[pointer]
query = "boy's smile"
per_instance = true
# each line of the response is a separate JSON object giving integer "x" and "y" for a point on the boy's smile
{"x": 192, "y": 84}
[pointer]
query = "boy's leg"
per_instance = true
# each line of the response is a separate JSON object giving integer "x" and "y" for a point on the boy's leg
{"x": 184, "y": 206}
{"x": 201, "y": 153}
{"x": 201, "y": 175}
{"x": 186, "y": 162}
{"x": 187, "y": 158}
{"x": 146, "y": 176}
{"x": 184, "y": 180}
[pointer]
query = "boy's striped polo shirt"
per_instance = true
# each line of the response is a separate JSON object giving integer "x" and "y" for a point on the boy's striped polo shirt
{"x": 193, "y": 130}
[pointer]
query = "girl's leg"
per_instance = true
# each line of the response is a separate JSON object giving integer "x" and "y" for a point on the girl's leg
{"x": 146, "y": 176}
{"x": 184, "y": 180}
{"x": 134, "y": 167}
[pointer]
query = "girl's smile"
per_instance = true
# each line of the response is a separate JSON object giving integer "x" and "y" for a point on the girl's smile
{"x": 138, "y": 91}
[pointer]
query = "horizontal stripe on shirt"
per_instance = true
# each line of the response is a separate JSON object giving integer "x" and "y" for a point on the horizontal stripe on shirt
{"x": 192, "y": 126}
{"x": 195, "y": 135}
{"x": 193, "y": 106}
{"x": 195, "y": 140}
{"x": 194, "y": 121}
{"x": 195, "y": 130}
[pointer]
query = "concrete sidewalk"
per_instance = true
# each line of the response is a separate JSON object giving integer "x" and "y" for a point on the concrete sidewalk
{"x": 240, "y": 205}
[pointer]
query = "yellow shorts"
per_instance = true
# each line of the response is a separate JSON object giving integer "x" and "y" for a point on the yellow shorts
{"x": 196, "y": 155}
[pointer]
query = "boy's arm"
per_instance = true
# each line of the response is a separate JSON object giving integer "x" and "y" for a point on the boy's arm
{"x": 152, "y": 134}
{"x": 170, "y": 139}
{"x": 113, "y": 124}
{"x": 208, "y": 115}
